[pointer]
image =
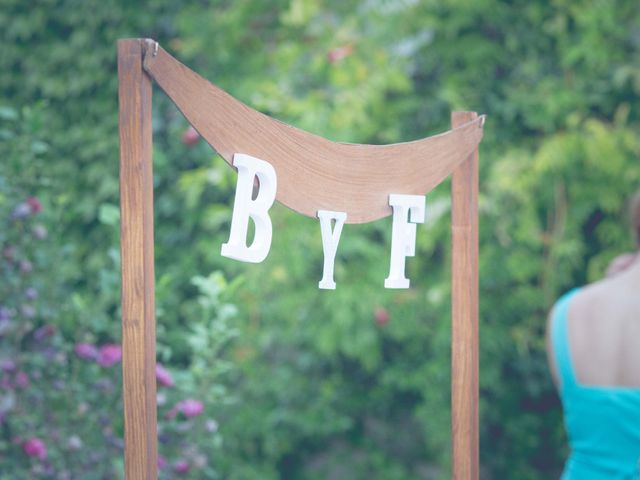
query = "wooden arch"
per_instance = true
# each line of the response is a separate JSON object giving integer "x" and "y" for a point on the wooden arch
{"x": 313, "y": 174}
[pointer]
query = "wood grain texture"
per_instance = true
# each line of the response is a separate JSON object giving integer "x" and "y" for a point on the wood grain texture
{"x": 136, "y": 237}
{"x": 464, "y": 321}
{"x": 313, "y": 173}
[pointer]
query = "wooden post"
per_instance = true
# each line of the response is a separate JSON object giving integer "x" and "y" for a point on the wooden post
{"x": 464, "y": 321}
{"x": 136, "y": 236}
{"x": 347, "y": 183}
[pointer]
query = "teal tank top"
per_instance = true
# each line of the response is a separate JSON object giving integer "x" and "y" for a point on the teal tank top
{"x": 602, "y": 423}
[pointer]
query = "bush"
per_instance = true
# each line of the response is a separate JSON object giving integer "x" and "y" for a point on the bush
{"x": 301, "y": 383}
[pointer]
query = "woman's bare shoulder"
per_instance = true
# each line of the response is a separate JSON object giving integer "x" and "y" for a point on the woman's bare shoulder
{"x": 606, "y": 292}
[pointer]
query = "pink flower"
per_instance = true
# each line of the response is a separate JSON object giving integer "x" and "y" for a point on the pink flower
{"x": 34, "y": 204}
{"x": 86, "y": 351}
{"x": 338, "y": 54}
{"x": 190, "y": 408}
{"x": 163, "y": 376}
{"x": 7, "y": 365}
{"x": 381, "y": 316}
{"x": 181, "y": 466}
{"x": 190, "y": 136}
{"x": 22, "y": 379}
{"x": 34, "y": 447}
{"x": 109, "y": 355}
{"x": 44, "y": 332}
{"x": 162, "y": 462}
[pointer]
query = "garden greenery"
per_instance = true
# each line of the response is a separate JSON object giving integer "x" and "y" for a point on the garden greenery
{"x": 261, "y": 374}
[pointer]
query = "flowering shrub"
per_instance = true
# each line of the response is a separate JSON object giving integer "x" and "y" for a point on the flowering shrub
{"x": 350, "y": 384}
{"x": 60, "y": 389}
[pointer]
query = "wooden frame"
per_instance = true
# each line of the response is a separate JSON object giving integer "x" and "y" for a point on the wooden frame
{"x": 313, "y": 174}
{"x": 136, "y": 247}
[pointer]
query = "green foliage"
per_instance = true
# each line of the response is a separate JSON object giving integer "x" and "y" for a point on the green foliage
{"x": 306, "y": 383}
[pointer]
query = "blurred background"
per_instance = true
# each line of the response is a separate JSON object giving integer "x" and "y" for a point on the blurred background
{"x": 262, "y": 375}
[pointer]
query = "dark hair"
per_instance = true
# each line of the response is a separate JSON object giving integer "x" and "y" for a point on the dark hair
{"x": 634, "y": 211}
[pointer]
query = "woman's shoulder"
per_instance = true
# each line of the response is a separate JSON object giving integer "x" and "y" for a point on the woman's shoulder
{"x": 603, "y": 293}
{"x": 567, "y": 297}
{"x": 589, "y": 301}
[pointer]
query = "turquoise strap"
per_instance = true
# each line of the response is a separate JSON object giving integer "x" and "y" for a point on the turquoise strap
{"x": 560, "y": 339}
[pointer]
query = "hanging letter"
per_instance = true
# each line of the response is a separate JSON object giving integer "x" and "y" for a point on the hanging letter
{"x": 403, "y": 235}
{"x": 257, "y": 209}
{"x": 330, "y": 244}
